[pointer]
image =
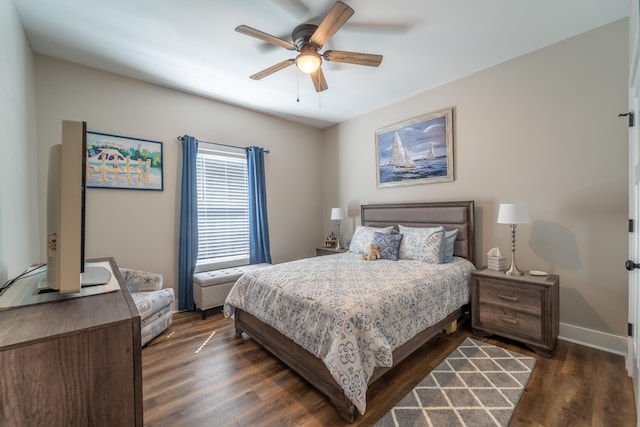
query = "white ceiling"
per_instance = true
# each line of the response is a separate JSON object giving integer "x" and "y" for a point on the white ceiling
{"x": 191, "y": 45}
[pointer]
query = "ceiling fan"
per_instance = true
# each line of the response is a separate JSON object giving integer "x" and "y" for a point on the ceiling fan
{"x": 308, "y": 39}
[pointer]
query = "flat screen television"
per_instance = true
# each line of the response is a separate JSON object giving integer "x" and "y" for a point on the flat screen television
{"x": 67, "y": 271}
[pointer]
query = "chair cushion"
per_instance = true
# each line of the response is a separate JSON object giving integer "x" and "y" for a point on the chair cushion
{"x": 158, "y": 314}
{"x": 148, "y": 303}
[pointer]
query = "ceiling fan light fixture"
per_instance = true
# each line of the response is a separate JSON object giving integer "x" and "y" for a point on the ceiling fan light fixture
{"x": 308, "y": 61}
{"x": 310, "y": 38}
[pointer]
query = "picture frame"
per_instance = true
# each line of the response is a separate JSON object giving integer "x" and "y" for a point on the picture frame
{"x": 124, "y": 163}
{"x": 416, "y": 151}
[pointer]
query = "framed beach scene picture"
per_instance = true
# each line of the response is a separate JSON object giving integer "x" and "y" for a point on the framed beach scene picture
{"x": 120, "y": 162}
{"x": 416, "y": 151}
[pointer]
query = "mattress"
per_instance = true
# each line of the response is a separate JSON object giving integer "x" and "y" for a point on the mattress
{"x": 352, "y": 313}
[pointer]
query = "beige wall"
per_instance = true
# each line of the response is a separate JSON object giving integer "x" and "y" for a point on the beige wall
{"x": 19, "y": 238}
{"x": 140, "y": 228}
{"x": 542, "y": 130}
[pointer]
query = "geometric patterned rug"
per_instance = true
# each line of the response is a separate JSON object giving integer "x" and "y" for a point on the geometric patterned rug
{"x": 478, "y": 384}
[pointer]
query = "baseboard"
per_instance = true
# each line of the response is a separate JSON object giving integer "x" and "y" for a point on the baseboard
{"x": 601, "y": 340}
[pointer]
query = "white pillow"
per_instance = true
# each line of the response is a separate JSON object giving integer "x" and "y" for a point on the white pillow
{"x": 363, "y": 238}
{"x": 421, "y": 243}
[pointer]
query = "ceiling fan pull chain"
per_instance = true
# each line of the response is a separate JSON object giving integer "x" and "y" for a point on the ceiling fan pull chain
{"x": 319, "y": 100}
{"x": 297, "y": 86}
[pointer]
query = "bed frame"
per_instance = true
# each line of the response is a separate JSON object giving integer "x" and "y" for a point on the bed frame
{"x": 451, "y": 215}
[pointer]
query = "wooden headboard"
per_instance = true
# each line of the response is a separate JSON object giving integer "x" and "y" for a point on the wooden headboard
{"x": 450, "y": 215}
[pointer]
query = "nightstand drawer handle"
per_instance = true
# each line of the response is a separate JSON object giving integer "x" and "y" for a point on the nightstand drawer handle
{"x": 507, "y": 320}
{"x": 508, "y": 298}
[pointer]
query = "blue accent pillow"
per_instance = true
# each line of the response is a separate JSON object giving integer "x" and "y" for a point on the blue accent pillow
{"x": 388, "y": 245}
{"x": 447, "y": 246}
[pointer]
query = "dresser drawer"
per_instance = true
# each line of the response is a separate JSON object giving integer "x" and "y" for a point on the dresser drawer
{"x": 516, "y": 323}
{"x": 527, "y": 300}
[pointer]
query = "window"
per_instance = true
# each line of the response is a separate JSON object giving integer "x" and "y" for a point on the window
{"x": 223, "y": 207}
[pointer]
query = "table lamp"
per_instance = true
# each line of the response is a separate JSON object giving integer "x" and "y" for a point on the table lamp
{"x": 337, "y": 214}
{"x": 513, "y": 214}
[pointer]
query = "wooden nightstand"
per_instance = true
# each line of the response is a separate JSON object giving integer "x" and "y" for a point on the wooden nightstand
{"x": 523, "y": 308}
{"x": 329, "y": 251}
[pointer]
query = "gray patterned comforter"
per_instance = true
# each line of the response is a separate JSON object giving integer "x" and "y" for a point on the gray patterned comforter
{"x": 349, "y": 312}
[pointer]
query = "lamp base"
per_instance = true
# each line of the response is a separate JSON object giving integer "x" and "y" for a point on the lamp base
{"x": 513, "y": 270}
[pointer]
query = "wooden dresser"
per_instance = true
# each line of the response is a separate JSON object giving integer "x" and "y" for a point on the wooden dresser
{"x": 524, "y": 308}
{"x": 72, "y": 362}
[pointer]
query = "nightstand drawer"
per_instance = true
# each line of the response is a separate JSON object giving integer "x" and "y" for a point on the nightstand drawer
{"x": 511, "y": 322}
{"x": 513, "y": 297}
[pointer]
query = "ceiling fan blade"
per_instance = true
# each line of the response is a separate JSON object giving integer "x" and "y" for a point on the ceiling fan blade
{"x": 318, "y": 80}
{"x": 337, "y": 16}
{"x": 267, "y": 71}
{"x": 249, "y": 31}
{"x": 357, "y": 58}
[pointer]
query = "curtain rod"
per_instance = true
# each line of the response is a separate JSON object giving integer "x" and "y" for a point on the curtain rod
{"x": 218, "y": 143}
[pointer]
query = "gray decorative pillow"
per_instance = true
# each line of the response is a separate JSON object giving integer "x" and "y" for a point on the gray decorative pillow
{"x": 388, "y": 245}
{"x": 448, "y": 244}
{"x": 363, "y": 238}
{"x": 421, "y": 243}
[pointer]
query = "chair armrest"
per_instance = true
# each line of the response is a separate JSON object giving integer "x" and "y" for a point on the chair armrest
{"x": 141, "y": 281}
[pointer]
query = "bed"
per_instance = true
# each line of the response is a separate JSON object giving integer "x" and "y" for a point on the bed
{"x": 340, "y": 349}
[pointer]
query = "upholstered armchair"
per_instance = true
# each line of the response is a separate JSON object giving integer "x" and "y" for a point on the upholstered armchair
{"x": 153, "y": 302}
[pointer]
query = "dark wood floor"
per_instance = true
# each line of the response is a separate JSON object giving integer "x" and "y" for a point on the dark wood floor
{"x": 199, "y": 373}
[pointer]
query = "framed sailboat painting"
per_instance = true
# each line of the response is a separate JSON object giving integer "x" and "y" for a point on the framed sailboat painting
{"x": 416, "y": 151}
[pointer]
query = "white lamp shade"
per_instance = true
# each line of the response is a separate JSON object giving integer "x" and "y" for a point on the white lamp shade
{"x": 337, "y": 213}
{"x": 513, "y": 214}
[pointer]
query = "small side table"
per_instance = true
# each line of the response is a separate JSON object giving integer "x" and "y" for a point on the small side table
{"x": 524, "y": 308}
{"x": 328, "y": 251}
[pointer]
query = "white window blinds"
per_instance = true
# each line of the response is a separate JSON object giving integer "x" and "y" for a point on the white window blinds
{"x": 223, "y": 205}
